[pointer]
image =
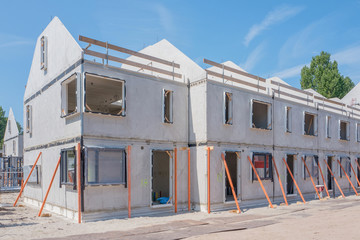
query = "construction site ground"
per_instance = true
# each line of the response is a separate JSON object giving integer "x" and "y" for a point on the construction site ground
{"x": 325, "y": 219}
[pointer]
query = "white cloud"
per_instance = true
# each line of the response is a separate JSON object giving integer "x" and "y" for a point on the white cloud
{"x": 290, "y": 72}
{"x": 15, "y": 43}
{"x": 166, "y": 18}
{"x": 275, "y": 16}
{"x": 9, "y": 40}
{"x": 254, "y": 57}
{"x": 350, "y": 56}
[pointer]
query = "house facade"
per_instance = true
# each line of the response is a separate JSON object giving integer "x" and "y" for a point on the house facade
{"x": 161, "y": 103}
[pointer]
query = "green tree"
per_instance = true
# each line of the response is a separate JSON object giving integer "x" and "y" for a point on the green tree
{"x": 323, "y": 76}
{"x": 3, "y": 121}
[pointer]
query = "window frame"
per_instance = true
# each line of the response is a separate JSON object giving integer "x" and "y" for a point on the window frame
{"x": 171, "y": 107}
{"x": 65, "y": 95}
{"x": 312, "y": 168}
{"x": 123, "y": 112}
{"x": 43, "y": 53}
{"x": 28, "y": 117}
{"x": 315, "y": 124}
{"x": 328, "y": 126}
{"x": 228, "y": 108}
{"x": 64, "y": 167}
{"x": 124, "y": 166}
{"x": 266, "y": 177}
{"x": 347, "y": 127}
{"x": 346, "y": 166}
{"x": 269, "y": 114}
{"x": 288, "y": 119}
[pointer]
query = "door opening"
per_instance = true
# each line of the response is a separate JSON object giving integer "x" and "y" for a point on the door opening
{"x": 329, "y": 182}
{"x": 231, "y": 161}
{"x": 289, "y": 180}
{"x": 161, "y": 178}
{"x": 358, "y": 171}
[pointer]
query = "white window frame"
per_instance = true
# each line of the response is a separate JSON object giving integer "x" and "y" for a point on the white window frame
{"x": 288, "y": 119}
{"x": 228, "y": 111}
{"x": 269, "y": 114}
{"x": 28, "y": 119}
{"x": 347, "y": 130}
{"x": 43, "y": 52}
{"x": 65, "y": 95}
{"x": 171, "y": 102}
{"x": 315, "y": 124}
{"x": 328, "y": 127}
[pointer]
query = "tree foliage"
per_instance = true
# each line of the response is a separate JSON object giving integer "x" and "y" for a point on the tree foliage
{"x": 323, "y": 76}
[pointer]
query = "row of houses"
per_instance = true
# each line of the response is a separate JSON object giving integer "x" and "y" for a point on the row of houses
{"x": 161, "y": 103}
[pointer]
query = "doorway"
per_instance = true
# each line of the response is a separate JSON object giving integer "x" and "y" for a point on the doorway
{"x": 329, "y": 182}
{"x": 161, "y": 181}
{"x": 289, "y": 181}
{"x": 231, "y": 159}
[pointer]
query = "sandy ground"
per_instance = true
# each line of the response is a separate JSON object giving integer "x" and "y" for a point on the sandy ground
{"x": 329, "y": 219}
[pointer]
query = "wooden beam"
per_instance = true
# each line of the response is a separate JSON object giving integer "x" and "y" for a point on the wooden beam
{"x": 293, "y": 96}
{"x": 292, "y": 176}
{"x": 175, "y": 176}
{"x": 332, "y": 174}
{"x": 219, "y": 65}
{"x": 355, "y": 174}
{"x": 78, "y": 179}
{"x": 329, "y": 101}
{"x": 260, "y": 182}
{"x": 307, "y": 169}
{"x": 281, "y": 186}
{"x": 131, "y": 63}
{"x": 129, "y": 179}
{"x": 235, "y": 80}
{"x": 290, "y": 87}
{"x": 322, "y": 176}
{"x": 347, "y": 177}
{"x": 127, "y": 51}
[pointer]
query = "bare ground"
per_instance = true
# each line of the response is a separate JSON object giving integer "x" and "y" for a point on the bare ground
{"x": 326, "y": 219}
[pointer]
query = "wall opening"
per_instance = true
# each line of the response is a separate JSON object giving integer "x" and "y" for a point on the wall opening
{"x": 289, "y": 181}
{"x": 68, "y": 167}
{"x": 69, "y": 99}
{"x": 232, "y": 164}
{"x": 345, "y": 163}
{"x": 288, "y": 119}
{"x": 161, "y": 178}
{"x": 104, "y": 95}
{"x": 168, "y": 106}
{"x": 310, "y": 124}
{"x": 358, "y": 170}
{"x": 312, "y": 164}
{"x": 344, "y": 130}
{"x": 228, "y": 108}
{"x": 263, "y": 165}
{"x": 329, "y": 177}
{"x": 358, "y": 132}
{"x": 328, "y": 126}
{"x": 261, "y": 115}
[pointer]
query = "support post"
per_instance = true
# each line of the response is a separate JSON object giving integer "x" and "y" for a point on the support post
{"x": 355, "y": 174}
{"x": 27, "y": 179}
{"x": 175, "y": 175}
{"x": 281, "y": 186}
{"x": 129, "y": 179}
{"x": 322, "y": 176}
{"x": 47, "y": 192}
{"x": 78, "y": 180}
{"x": 292, "y": 176}
{"x": 189, "y": 182}
{"x": 262, "y": 186}
{"x": 208, "y": 177}
{"x": 312, "y": 180}
{"x": 332, "y": 174}
{"x": 347, "y": 177}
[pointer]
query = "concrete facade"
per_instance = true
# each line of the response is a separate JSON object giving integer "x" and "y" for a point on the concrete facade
{"x": 53, "y": 125}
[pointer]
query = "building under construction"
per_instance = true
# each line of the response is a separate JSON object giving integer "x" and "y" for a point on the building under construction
{"x": 151, "y": 131}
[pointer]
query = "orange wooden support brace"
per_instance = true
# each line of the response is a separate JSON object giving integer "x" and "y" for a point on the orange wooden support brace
{"x": 47, "y": 193}
{"x": 312, "y": 180}
{"x": 189, "y": 182}
{"x": 129, "y": 179}
{"x": 78, "y": 176}
{"x": 208, "y": 178}
{"x": 262, "y": 186}
{"x": 348, "y": 178}
{"x": 281, "y": 186}
{"x": 355, "y": 174}
{"x": 357, "y": 163}
{"x": 332, "y": 174}
{"x": 175, "y": 175}
{"x": 292, "y": 176}
{"x": 231, "y": 183}
{"x": 27, "y": 179}
{"x": 322, "y": 176}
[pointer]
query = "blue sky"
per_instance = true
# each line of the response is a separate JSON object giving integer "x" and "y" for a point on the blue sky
{"x": 266, "y": 38}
